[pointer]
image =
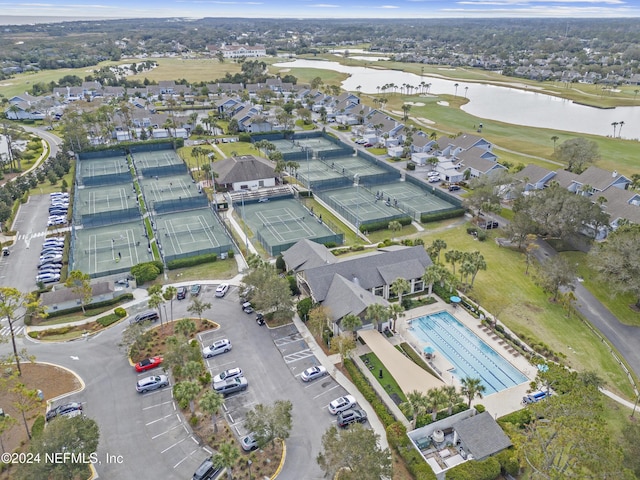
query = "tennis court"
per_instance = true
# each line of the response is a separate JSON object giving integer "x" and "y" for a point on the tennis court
{"x": 107, "y": 250}
{"x": 105, "y": 205}
{"x": 359, "y": 206}
{"x": 103, "y": 166}
{"x": 185, "y": 234}
{"x": 278, "y": 224}
{"x": 169, "y": 188}
{"x": 412, "y": 199}
{"x": 159, "y": 163}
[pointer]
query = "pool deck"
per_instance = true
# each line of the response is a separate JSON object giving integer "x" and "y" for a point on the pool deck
{"x": 498, "y": 404}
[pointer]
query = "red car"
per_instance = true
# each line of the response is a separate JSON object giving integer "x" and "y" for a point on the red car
{"x": 148, "y": 364}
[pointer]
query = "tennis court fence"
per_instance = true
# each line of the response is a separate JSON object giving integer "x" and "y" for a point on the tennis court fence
{"x": 164, "y": 170}
{"x": 110, "y": 179}
{"x": 109, "y": 217}
{"x": 275, "y": 249}
{"x": 221, "y": 250}
{"x": 179, "y": 204}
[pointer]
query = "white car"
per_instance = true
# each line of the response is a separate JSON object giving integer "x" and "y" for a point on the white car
{"x": 216, "y": 348}
{"x": 312, "y": 373}
{"x": 222, "y": 290}
{"x": 341, "y": 404}
{"x": 230, "y": 373}
{"x": 152, "y": 383}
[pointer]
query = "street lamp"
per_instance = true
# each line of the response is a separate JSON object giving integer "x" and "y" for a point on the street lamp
{"x": 249, "y": 462}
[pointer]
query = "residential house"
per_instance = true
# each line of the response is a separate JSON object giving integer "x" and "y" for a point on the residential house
{"x": 24, "y": 107}
{"x": 245, "y": 172}
{"x": 476, "y": 164}
{"x": 534, "y": 177}
{"x": 238, "y": 51}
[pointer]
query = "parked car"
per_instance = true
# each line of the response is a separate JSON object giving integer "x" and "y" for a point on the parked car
{"x": 154, "y": 382}
{"x": 216, "y": 348}
{"x": 231, "y": 385}
{"x": 313, "y": 373}
{"x": 63, "y": 410}
{"x": 48, "y": 278}
{"x": 5, "y": 251}
{"x": 195, "y": 289}
{"x": 53, "y": 243}
{"x": 341, "y": 404}
{"x": 222, "y": 290}
{"x": 491, "y": 225}
{"x": 351, "y": 416}
{"x": 227, "y": 374}
{"x": 434, "y": 179}
{"x": 207, "y": 470}
{"x": 147, "y": 315}
{"x": 248, "y": 443}
{"x": 247, "y": 307}
{"x": 368, "y": 145}
{"x": 454, "y": 188}
{"x": 148, "y": 363}
{"x": 182, "y": 293}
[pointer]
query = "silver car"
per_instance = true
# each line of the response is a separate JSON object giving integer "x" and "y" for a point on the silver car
{"x": 152, "y": 383}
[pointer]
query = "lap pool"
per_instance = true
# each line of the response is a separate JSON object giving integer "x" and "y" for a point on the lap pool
{"x": 469, "y": 355}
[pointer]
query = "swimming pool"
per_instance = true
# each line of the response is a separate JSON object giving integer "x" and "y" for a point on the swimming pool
{"x": 470, "y": 356}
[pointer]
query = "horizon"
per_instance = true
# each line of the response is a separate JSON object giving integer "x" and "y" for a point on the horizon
{"x": 56, "y": 11}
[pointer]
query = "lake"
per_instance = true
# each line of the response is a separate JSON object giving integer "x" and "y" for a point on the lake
{"x": 490, "y": 102}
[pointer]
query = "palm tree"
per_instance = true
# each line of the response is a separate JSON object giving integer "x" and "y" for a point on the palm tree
{"x": 614, "y": 125}
{"x": 187, "y": 391}
{"x": 436, "y": 247}
{"x": 396, "y": 310}
{"x": 472, "y": 388}
{"x": 227, "y": 457}
{"x": 554, "y": 139}
{"x": 452, "y": 396}
{"x": 417, "y": 405}
{"x": 456, "y": 86}
{"x": 434, "y": 274}
{"x": 465, "y": 91}
{"x": 478, "y": 263}
{"x": 405, "y": 111}
{"x": 211, "y": 402}
{"x": 453, "y": 257}
{"x": 351, "y": 322}
{"x": 376, "y": 313}
{"x": 399, "y": 287}
{"x": 621, "y": 124}
{"x": 436, "y": 399}
{"x": 169, "y": 294}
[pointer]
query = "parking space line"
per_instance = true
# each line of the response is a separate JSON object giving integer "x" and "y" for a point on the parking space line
{"x": 301, "y": 355}
{"x": 194, "y": 440}
{"x": 185, "y": 458}
{"x": 326, "y": 391}
{"x": 155, "y": 392}
{"x": 166, "y": 431}
{"x": 158, "y": 420}
{"x": 210, "y": 452}
{"x": 222, "y": 364}
{"x": 177, "y": 443}
{"x": 157, "y": 405}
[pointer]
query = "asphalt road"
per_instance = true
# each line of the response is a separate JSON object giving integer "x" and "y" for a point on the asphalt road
{"x": 20, "y": 268}
{"x": 146, "y": 437}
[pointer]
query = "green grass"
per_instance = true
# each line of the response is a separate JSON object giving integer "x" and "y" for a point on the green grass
{"x": 240, "y": 148}
{"x": 505, "y": 290}
{"x": 619, "y": 305}
{"x": 386, "y": 381}
{"x": 221, "y": 269}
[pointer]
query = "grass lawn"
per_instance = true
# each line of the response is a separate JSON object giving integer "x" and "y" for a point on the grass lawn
{"x": 619, "y": 305}
{"x": 221, "y": 269}
{"x": 505, "y": 290}
{"x": 238, "y": 148}
{"x": 305, "y": 75}
{"x": 386, "y": 381}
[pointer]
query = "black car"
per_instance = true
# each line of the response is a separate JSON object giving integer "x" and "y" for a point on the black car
{"x": 260, "y": 319}
{"x": 182, "y": 293}
{"x": 454, "y": 188}
{"x": 490, "y": 225}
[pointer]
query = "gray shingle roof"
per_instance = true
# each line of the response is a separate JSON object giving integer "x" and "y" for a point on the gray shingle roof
{"x": 345, "y": 297}
{"x": 564, "y": 178}
{"x": 533, "y": 173}
{"x": 307, "y": 254}
{"x": 598, "y": 178}
{"x": 242, "y": 169}
{"x": 370, "y": 271}
{"x": 481, "y": 435}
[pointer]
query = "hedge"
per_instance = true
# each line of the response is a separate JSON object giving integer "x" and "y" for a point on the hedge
{"x": 362, "y": 384}
{"x": 383, "y": 224}
{"x": 432, "y": 217}
{"x": 38, "y": 427}
{"x": 192, "y": 261}
{"x": 398, "y": 441}
{"x": 78, "y": 308}
{"x": 488, "y": 469}
{"x": 108, "y": 319}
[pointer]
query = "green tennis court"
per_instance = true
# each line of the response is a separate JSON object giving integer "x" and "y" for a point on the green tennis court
{"x": 103, "y": 166}
{"x": 278, "y": 224}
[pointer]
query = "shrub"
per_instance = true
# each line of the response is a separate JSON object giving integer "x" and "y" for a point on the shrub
{"x": 432, "y": 217}
{"x": 191, "y": 261}
{"x": 280, "y": 263}
{"x": 508, "y": 460}
{"x": 411, "y": 166}
{"x": 383, "y": 225}
{"x": 482, "y": 235}
{"x": 37, "y": 427}
{"x": 205, "y": 379}
{"x": 230, "y": 254}
{"x": 303, "y": 308}
{"x": 488, "y": 469}
{"x": 331, "y": 244}
{"x": 145, "y": 272}
{"x": 244, "y": 137}
{"x": 361, "y": 382}
{"x": 480, "y": 408}
{"x": 108, "y": 319}
{"x": 121, "y": 312}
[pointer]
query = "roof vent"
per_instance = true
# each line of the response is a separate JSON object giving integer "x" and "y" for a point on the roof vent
{"x": 614, "y": 174}
{"x": 356, "y": 280}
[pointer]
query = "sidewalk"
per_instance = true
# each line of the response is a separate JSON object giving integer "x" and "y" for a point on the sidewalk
{"x": 330, "y": 362}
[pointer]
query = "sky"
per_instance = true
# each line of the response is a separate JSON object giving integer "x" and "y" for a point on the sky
{"x": 323, "y": 8}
